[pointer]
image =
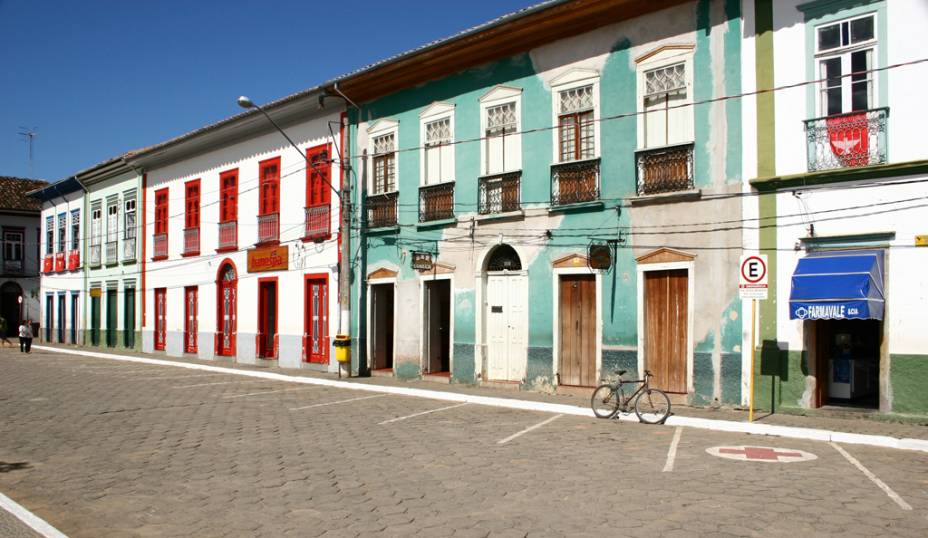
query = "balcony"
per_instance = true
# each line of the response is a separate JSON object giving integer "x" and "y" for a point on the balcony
{"x": 436, "y": 202}
{"x": 59, "y": 262}
{"x": 381, "y": 210}
{"x": 128, "y": 249}
{"x": 847, "y": 140}
{"x": 192, "y": 241}
{"x": 318, "y": 222}
{"x": 269, "y": 228}
{"x": 228, "y": 235}
{"x": 95, "y": 252}
{"x": 666, "y": 169}
{"x": 112, "y": 252}
{"x": 74, "y": 260}
{"x": 575, "y": 182}
{"x": 500, "y": 193}
{"x": 160, "y": 244}
{"x": 12, "y": 267}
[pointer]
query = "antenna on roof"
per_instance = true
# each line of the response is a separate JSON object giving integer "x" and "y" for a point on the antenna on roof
{"x": 29, "y": 136}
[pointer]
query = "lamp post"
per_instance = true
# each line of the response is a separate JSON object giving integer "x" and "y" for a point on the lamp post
{"x": 344, "y": 230}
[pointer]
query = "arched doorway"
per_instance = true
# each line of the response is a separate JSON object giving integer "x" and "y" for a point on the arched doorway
{"x": 506, "y": 315}
{"x": 10, "y": 308}
{"x": 226, "y": 285}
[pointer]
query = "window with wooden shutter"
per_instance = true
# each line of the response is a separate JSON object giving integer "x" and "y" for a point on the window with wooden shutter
{"x": 318, "y": 176}
{"x": 269, "y": 185}
{"x": 161, "y": 211}
{"x": 576, "y": 129}
{"x": 384, "y": 164}
{"x": 192, "y": 204}
{"x": 228, "y": 210}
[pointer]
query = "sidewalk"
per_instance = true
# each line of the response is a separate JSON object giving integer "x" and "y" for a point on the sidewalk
{"x": 876, "y": 431}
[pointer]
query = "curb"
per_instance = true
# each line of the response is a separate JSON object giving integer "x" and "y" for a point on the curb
{"x": 791, "y": 432}
{"x": 34, "y": 522}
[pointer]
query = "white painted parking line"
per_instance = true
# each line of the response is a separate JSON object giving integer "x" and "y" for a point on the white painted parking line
{"x": 873, "y": 478}
{"x": 526, "y": 430}
{"x": 672, "y": 451}
{"x": 217, "y": 383}
{"x": 266, "y": 392}
{"x": 338, "y": 402}
{"x": 420, "y": 414}
{"x": 180, "y": 376}
{"x": 33, "y": 521}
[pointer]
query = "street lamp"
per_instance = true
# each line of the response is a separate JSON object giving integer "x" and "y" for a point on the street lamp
{"x": 344, "y": 267}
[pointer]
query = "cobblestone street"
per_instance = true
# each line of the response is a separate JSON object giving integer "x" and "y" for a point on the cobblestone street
{"x": 104, "y": 448}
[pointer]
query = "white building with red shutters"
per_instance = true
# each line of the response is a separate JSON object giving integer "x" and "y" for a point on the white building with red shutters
{"x": 240, "y": 237}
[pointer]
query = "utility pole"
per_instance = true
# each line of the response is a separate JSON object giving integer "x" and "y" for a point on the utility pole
{"x": 29, "y": 136}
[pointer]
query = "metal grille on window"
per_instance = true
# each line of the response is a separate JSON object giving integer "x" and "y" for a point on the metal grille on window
{"x": 665, "y": 80}
{"x": 317, "y": 329}
{"x": 504, "y": 258}
{"x": 576, "y": 99}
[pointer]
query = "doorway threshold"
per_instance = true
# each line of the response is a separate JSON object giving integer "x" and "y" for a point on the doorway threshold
{"x": 382, "y": 372}
{"x": 437, "y": 377}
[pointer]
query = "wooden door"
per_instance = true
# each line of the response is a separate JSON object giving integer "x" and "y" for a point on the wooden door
{"x": 95, "y": 317}
{"x": 190, "y": 319}
{"x": 381, "y": 331}
{"x": 225, "y": 308}
{"x": 111, "y": 308}
{"x": 129, "y": 318}
{"x": 316, "y": 321}
{"x": 507, "y": 323}
{"x": 438, "y": 326}
{"x": 160, "y": 311}
{"x": 577, "y": 334}
{"x": 665, "y": 320}
{"x": 267, "y": 318}
{"x": 61, "y": 317}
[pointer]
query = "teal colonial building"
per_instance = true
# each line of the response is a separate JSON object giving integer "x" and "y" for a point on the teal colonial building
{"x": 543, "y": 198}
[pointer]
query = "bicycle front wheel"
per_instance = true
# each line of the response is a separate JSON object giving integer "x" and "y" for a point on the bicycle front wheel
{"x": 605, "y": 401}
{"x": 652, "y": 407}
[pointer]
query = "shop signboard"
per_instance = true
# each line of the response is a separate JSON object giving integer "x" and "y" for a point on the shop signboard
{"x": 274, "y": 258}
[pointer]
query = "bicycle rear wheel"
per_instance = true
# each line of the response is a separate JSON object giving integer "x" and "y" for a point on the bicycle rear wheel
{"x": 652, "y": 406}
{"x": 605, "y": 401}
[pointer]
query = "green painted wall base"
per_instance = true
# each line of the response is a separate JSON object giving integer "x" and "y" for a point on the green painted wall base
{"x": 463, "y": 368}
{"x": 909, "y": 380}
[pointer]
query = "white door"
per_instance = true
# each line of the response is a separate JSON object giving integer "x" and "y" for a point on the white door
{"x": 507, "y": 324}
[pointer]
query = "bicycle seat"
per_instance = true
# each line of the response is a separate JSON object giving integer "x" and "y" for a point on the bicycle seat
{"x": 620, "y": 372}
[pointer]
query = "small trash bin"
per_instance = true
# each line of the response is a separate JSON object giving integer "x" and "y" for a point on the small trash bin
{"x": 342, "y": 345}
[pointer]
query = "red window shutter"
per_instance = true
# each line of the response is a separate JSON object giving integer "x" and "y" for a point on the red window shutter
{"x": 229, "y": 201}
{"x": 319, "y": 176}
{"x": 269, "y": 192}
{"x": 161, "y": 211}
{"x": 192, "y": 198}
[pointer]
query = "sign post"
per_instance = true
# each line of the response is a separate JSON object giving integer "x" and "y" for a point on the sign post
{"x": 752, "y": 285}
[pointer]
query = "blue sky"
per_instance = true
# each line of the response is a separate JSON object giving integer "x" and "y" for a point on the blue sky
{"x": 98, "y": 77}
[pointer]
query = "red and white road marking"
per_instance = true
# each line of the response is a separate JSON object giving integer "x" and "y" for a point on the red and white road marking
{"x": 764, "y": 454}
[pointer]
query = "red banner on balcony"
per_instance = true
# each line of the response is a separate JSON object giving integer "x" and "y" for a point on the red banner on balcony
{"x": 48, "y": 263}
{"x": 849, "y": 135}
{"x": 59, "y": 262}
{"x": 74, "y": 260}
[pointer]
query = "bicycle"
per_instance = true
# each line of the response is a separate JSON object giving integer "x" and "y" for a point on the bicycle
{"x": 651, "y": 405}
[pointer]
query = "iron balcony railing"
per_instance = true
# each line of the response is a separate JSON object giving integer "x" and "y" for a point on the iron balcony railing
{"x": 666, "y": 169}
{"x": 94, "y": 254}
{"x": 160, "y": 244}
{"x": 381, "y": 210}
{"x": 318, "y": 221}
{"x": 575, "y": 182}
{"x": 847, "y": 140}
{"x": 191, "y": 241}
{"x": 500, "y": 193}
{"x": 112, "y": 252}
{"x": 436, "y": 202}
{"x": 228, "y": 235}
{"x": 12, "y": 267}
{"x": 269, "y": 228}
{"x": 128, "y": 249}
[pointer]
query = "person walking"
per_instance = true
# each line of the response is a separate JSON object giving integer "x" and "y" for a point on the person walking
{"x": 28, "y": 336}
{"x": 4, "y": 338}
{"x": 22, "y": 336}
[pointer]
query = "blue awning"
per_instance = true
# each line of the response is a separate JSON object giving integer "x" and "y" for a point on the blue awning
{"x": 846, "y": 284}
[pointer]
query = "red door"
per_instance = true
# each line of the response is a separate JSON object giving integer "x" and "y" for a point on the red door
{"x": 190, "y": 319}
{"x": 160, "y": 310}
{"x": 316, "y": 320}
{"x": 225, "y": 311}
{"x": 267, "y": 318}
